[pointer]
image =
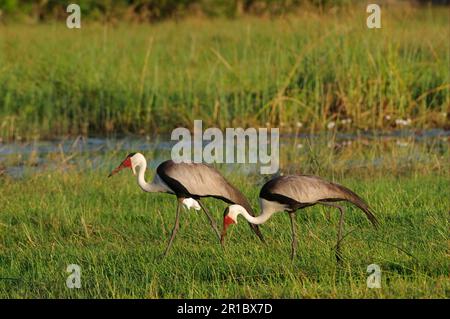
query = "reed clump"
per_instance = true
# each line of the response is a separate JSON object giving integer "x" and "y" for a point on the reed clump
{"x": 312, "y": 68}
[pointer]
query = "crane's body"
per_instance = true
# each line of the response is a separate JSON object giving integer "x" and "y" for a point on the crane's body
{"x": 189, "y": 182}
{"x": 294, "y": 192}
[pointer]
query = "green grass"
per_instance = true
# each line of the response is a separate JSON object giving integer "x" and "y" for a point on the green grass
{"x": 310, "y": 68}
{"x": 116, "y": 233}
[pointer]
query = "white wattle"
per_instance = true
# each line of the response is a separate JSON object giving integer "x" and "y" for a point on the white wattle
{"x": 191, "y": 203}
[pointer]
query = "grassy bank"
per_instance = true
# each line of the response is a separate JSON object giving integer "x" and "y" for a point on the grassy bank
{"x": 116, "y": 234}
{"x": 311, "y": 69}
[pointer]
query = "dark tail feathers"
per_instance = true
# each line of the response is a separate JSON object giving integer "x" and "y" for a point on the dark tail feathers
{"x": 360, "y": 203}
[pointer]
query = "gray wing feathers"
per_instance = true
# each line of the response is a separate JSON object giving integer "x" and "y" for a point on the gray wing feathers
{"x": 312, "y": 189}
{"x": 306, "y": 189}
{"x": 204, "y": 180}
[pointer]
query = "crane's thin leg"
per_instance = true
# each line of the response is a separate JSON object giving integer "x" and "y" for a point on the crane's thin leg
{"x": 294, "y": 236}
{"x": 212, "y": 222}
{"x": 340, "y": 229}
{"x": 175, "y": 229}
{"x": 339, "y": 239}
{"x": 328, "y": 215}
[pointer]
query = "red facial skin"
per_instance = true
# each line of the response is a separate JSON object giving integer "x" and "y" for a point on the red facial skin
{"x": 227, "y": 221}
{"x": 126, "y": 163}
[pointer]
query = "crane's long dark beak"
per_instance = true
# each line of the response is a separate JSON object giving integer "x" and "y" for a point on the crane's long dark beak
{"x": 222, "y": 235}
{"x": 117, "y": 169}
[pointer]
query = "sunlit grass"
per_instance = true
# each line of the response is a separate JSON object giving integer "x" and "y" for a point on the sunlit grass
{"x": 311, "y": 69}
{"x": 116, "y": 233}
{"x": 311, "y": 72}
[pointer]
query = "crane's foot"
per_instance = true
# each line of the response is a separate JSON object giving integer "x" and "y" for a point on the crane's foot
{"x": 338, "y": 255}
{"x": 292, "y": 257}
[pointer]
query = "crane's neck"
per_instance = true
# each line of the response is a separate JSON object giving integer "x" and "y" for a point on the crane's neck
{"x": 141, "y": 166}
{"x": 260, "y": 219}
